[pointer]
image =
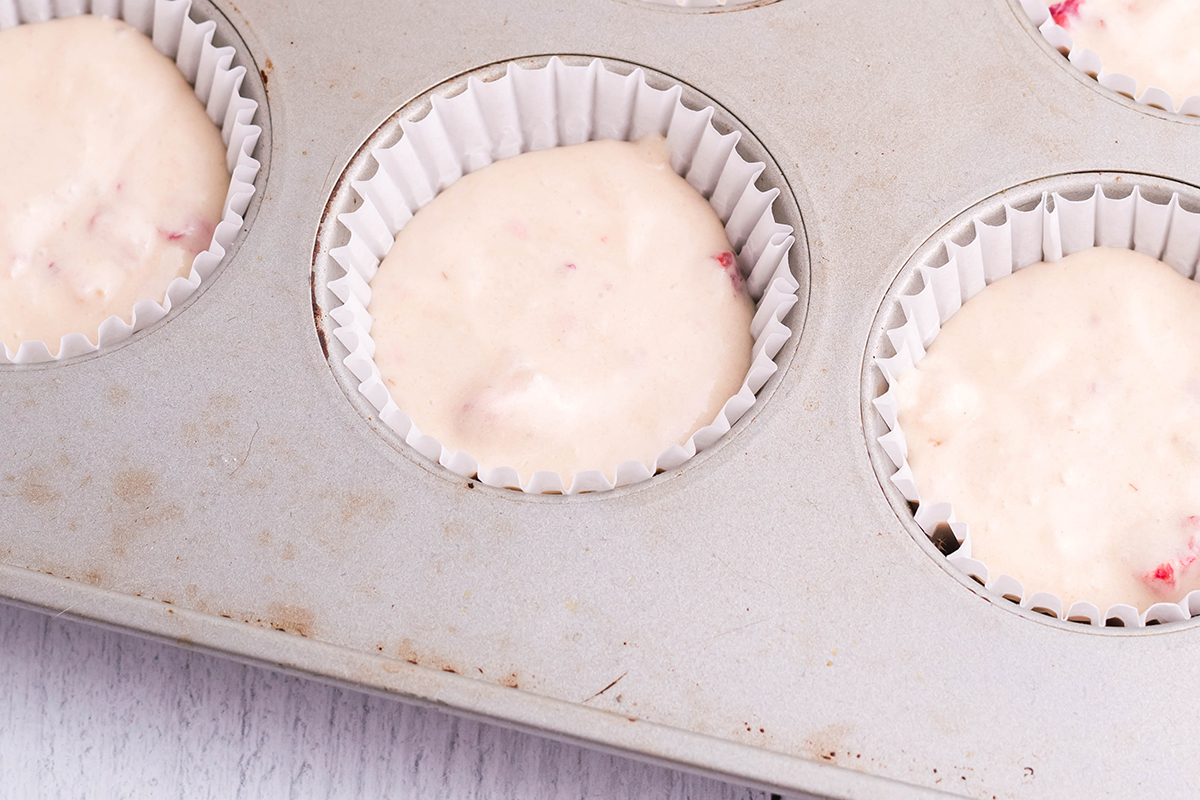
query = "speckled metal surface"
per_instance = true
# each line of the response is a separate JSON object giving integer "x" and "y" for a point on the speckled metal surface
{"x": 764, "y": 614}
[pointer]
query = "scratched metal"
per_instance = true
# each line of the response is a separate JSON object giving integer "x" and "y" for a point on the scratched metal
{"x": 765, "y": 614}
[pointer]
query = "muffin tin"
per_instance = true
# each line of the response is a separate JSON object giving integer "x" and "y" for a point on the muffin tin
{"x": 765, "y": 613}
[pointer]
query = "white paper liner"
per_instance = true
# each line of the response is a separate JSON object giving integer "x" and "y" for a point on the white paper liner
{"x": 532, "y": 110}
{"x": 218, "y": 86}
{"x": 1048, "y": 232}
{"x": 1090, "y": 63}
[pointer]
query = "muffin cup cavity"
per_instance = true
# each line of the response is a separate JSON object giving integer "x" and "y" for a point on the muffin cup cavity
{"x": 218, "y": 87}
{"x": 1090, "y": 63}
{"x": 533, "y": 109}
{"x": 1055, "y": 227}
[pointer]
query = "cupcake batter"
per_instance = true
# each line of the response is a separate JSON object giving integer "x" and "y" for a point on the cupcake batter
{"x": 112, "y": 177}
{"x": 1057, "y": 411}
{"x": 1152, "y": 41}
{"x": 563, "y": 310}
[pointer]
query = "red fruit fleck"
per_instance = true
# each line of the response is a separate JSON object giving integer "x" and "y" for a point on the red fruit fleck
{"x": 1164, "y": 573}
{"x": 570, "y": 266}
{"x": 52, "y": 268}
{"x": 1062, "y": 12}
{"x": 729, "y": 264}
{"x": 1193, "y": 552}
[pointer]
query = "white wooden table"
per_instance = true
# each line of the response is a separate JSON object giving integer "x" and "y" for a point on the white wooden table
{"x": 88, "y": 713}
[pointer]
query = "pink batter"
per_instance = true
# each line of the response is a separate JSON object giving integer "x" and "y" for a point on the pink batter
{"x": 1152, "y": 41}
{"x": 112, "y": 177}
{"x": 1057, "y": 412}
{"x": 563, "y": 310}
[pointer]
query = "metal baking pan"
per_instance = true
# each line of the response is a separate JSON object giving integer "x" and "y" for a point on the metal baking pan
{"x": 765, "y": 613}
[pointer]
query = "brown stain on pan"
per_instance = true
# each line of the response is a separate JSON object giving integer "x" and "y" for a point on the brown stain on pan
{"x": 134, "y": 485}
{"x": 370, "y": 504}
{"x": 318, "y": 314}
{"x": 290, "y": 618}
{"x": 36, "y": 489}
{"x": 117, "y": 395}
{"x": 407, "y": 651}
{"x": 138, "y": 509}
{"x": 828, "y": 743}
{"x": 265, "y": 73}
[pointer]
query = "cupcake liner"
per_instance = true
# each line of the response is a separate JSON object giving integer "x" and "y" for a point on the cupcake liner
{"x": 534, "y": 109}
{"x": 217, "y": 85}
{"x": 1090, "y": 63}
{"x": 1055, "y": 228}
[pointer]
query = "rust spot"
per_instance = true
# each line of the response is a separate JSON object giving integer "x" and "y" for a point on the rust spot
{"x": 91, "y": 577}
{"x": 36, "y": 492}
{"x": 450, "y": 669}
{"x": 318, "y": 314}
{"x": 117, "y": 395}
{"x": 293, "y": 619}
{"x": 266, "y": 77}
{"x": 133, "y": 485}
{"x": 264, "y": 538}
{"x": 826, "y": 742}
{"x": 216, "y": 417}
{"x": 407, "y": 651}
{"x": 191, "y": 434}
{"x": 510, "y": 680}
{"x": 377, "y": 509}
{"x": 124, "y": 533}
{"x": 289, "y": 552}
